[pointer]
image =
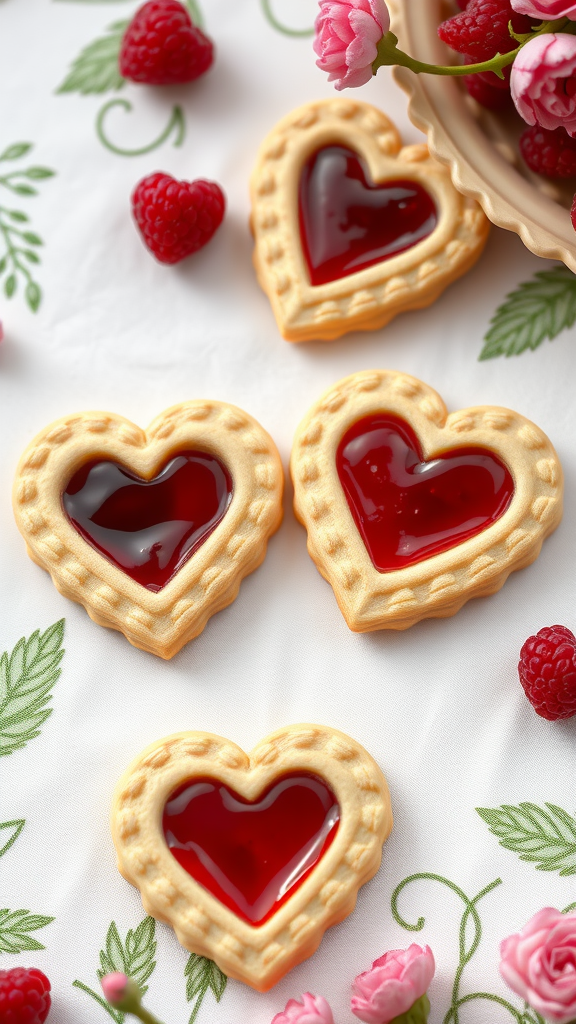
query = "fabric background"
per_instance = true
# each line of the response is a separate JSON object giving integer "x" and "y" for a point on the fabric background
{"x": 438, "y": 706}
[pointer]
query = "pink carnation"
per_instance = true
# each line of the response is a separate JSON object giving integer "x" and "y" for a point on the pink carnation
{"x": 395, "y": 982}
{"x": 539, "y": 963}
{"x": 347, "y": 34}
{"x": 545, "y": 10}
{"x": 543, "y": 81}
{"x": 312, "y": 1010}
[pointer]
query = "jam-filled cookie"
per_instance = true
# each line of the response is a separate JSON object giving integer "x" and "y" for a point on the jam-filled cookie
{"x": 350, "y": 227}
{"x": 152, "y": 531}
{"x": 251, "y": 857}
{"x": 410, "y": 511}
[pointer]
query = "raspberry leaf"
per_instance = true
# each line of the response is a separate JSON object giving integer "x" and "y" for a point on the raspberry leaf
{"x": 27, "y": 677}
{"x": 201, "y": 976}
{"x": 15, "y": 926}
{"x": 536, "y": 310}
{"x": 546, "y": 838}
{"x": 95, "y": 70}
{"x": 9, "y": 832}
{"x": 134, "y": 957}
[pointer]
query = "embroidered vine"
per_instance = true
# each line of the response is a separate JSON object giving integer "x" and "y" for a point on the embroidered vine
{"x": 95, "y": 71}
{"x": 467, "y": 947}
{"x": 19, "y": 243}
{"x": 297, "y": 33}
{"x": 135, "y": 956}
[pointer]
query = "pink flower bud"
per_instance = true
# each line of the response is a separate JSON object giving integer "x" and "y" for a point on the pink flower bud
{"x": 114, "y": 987}
{"x": 395, "y": 982}
{"x": 545, "y": 10}
{"x": 347, "y": 33}
{"x": 543, "y": 81}
{"x": 312, "y": 1010}
{"x": 539, "y": 964}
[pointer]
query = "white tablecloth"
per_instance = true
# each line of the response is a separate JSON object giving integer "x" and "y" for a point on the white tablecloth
{"x": 438, "y": 706}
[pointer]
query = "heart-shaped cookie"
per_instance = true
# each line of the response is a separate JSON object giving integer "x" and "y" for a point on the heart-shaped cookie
{"x": 152, "y": 531}
{"x": 251, "y": 858}
{"x": 350, "y": 228}
{"x": 410, "y": 511}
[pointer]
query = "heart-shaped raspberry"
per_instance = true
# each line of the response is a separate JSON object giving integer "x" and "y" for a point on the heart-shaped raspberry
{"x": 149, "y": 528}
{"x": 407, "y": 509}
{"x": 251, "y": 855}
{"x": 349, "y": 223}
{"x": 176, "y": 218}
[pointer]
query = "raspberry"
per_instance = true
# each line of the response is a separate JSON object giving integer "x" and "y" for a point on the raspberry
{"x": 486, "y": 94}
{"x": 547, "y": 671}
{"x": 481, "y": 30}
{"x": 176, "y": 217}
{"x": 161, "y": 45}
{"x": 24, "y": 996}
{"x": 549, "y": 152}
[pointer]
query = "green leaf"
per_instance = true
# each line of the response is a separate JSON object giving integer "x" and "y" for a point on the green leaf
{"x": 32, "y": 238}
{"x": 546, "y": 838}
{"x": 201, "y": 975}
{"x": 37, "y": 173}
{"x": 134, "y": 957}
{"x": 30, "y": 255}
{"x": 15, "y": 926}
{"x": 18, "y": 216}
{"x": 33, "y": 290}
{"x": 24, "y": 190}
{"x": 3, "y": 264}
{"x": 9, "y": 289}
{"x": 536, "y": 310}
{"x": 95, "y": 70}
{"x": 27, "y": 677}
{"x": 15, "y": 830}
{"x": 16, "y": 151}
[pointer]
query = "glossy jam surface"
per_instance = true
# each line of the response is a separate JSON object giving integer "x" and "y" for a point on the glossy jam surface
{"x": 149, "y": 528}
{"x": 406, "y": 509}
{"x": 348, "y": 223}
{"x": 251, "y": 856}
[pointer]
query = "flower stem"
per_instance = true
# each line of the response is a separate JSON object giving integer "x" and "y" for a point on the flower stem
{"x": 389, "y": 53}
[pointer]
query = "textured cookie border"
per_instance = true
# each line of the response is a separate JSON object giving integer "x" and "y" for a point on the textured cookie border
{"x": 162, "y": 622}
{"x": 372, "y": 297}
{"x": 258, "y": 956}
{"x": 440, "y": 585}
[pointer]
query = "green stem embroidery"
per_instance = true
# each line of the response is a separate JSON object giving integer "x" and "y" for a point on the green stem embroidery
{"x": 115, "y": 1014}
{"x": 465, "y": 953}
{"x": 19, "y": 246}
{"x": 297, "y": 33}
{"x": 15, "y": 828}
{"x": 176, "y": 123}
{"x": 569, "y": 908}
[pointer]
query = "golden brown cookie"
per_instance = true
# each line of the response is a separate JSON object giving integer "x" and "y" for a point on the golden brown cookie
{"x": 152, "y": 531}
{"x": 427, "y": 233}
{"x": 410, "y": 511}
{"x": 274, "y": 877}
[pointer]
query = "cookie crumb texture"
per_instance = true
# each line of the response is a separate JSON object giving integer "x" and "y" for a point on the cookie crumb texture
{"x": 163, "y": 47}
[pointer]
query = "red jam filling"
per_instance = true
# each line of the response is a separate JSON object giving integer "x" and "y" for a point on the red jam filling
{"x": 348, "y": 223}
{"x": 149, "y": 528}
{"x": 251, "y": 856}
{"x": 406, "y": 509}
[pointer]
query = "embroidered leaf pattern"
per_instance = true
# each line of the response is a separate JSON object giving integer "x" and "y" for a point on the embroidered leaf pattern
{"x": 531, "y": 1017}
{"x": 27, "y": 677}
{"x": 202, "y": 975}
{"x": 15, "y": 926}
{"x": 134, "y": 957}
{"x": 95, "y": 70}
{"x": 546, "y": 838}
{"x": 537, "y": 309}
{"x": 17, "y": 252}
{"x": 9, "y": 832}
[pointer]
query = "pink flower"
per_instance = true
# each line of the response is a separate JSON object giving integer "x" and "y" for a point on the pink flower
{"x": 395, "y": 982}
{"x": 347, "y": 33}
{"x": 540, "y": 964}
{"x": 543, "y": 81}
{"x": 312, "y": 1010}
{"x": 545, "y": 10}
{"x": 114, "y": 987}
